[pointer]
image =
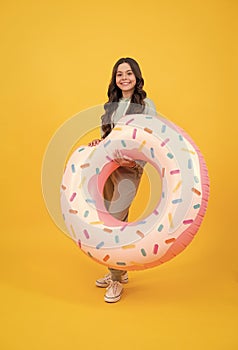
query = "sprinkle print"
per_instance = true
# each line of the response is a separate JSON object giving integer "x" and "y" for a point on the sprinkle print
{"x": 170, "y": 220}
{"x": 143, "y": 252}
{"x": 176, "y": 201}
{"x": 152, "y": 152}
{"x": 73, "y": 196}
{"x": 72, "y": 211}
{"x": 123, "y": 143}
{"x": 129, "y": 246}
{"x": 196, "y": 191}
{"x": 134, "y": 134}
{"x": 121, "y": 263}
{"x": 156, "y": 248}
{"x": 163, "y": 129}
{"x": 196, "y": 206}
{"x": 177, "y": 186}
{"x": 86, "y": 165}
{"x": 164, "y": 142}
{"x": 170, "y": 240}
{"x": 106, "y": 258}
{"x": 186, "y": 222}
{"x": 107, "y": 143}
{"x": 129, "y": 121}
{"x": 160, "y": 228}
{"x": 139, "y": 233}
{"x": 141, "y": 145}
{"x": 170, "y": 155}
{"x": 81, "y": 149}
{"x": 174, "y": 172}
{"x": 148, "y": 130}
{"x": 86, "y": 234}
{"x": 86, "y": 213}
{"x": 190, "y": 164}
{"x": 100, "y": 245}
{"x": 73, "y": 168}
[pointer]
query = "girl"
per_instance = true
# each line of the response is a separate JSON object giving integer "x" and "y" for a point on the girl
{"x": 125, "y": 96}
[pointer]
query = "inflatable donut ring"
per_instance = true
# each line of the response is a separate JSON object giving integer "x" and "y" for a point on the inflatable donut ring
{"x": 174, "y": 221}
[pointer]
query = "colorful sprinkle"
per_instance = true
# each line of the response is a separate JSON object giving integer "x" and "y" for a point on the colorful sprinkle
{"x": 196, "y": 179}
{"x": 141, "y": 222}
{"x": 148, "y": 130}
{"x": 152, "y": 152}
{"x": 180, "y": 137}
{"x": 160, "y": 228}
{"x": 121, "y": 263}
{"x": 170, "y": 220}
{"x": 163, "y": 129}
{"x": 170, "y": 155}
{"x": 123, "y": 143}
{"x": 89, "y": 254}
{"x": 173, "y": 172}
{"x": 86, "y": 234}
{"x": 163, "y": 194}
{"x": 82, "y": 182}
{"x": 129, "y": 246}
{"x": 177, "y": 186}
{"x": 117, "y": 240}
{"x": 164, "y": 142}
{"x": 163, "y": 172}
{"x": 90, "y": 200}
{"x": 117, "y": 129}
{"x": 107, "y": 143}
{"x": 156, "y": 212}
{"x": 63, "y": 187}
{"x": 100, "y": 245}
{"x": 91, "y": 154}
{"x": 176, "y": 201}
{"x": 148, "y": 117}
{"x": 134, "y": 133}
{"x": 109, "y": 158}
{"x": 188, "y": 150}
{"x": 141, "y": 145}
{"x": 73, "y": 168}
{"x": 72, "y": 211}
{"x": 143, "y": 252}
{"x": 139, "y": 233}
{"x": 189, "y": 221}
{"x": 86, "y": 165}
{"x": 97, "y": 171}
{"x": 86, "y": 213}
{"x": 123, "y": 227}
{"x": 81, "y": 149}
{"x": 72, "y": 230}
{"x": 155, "y": 250}
{"x": 196, "y": 191}
{"x": 129, "y": 121}
{"x": 106, "y": 258}
{"x": 79, "y": 243}
{"x": 196, "y": 206}
{"x": 107, "y": 230}
{"x": 170, "y": 240}
{"x": 96, "y": 222}
{"x": 73, "y": 196}
{"x": 190, "y": 164}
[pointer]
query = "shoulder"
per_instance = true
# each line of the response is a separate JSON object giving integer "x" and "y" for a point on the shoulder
{"x": 149, "y": 106}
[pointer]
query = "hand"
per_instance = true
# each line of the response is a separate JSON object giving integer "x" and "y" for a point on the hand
{"x": 94, "y": 143}
{"x": 123, "y": 160}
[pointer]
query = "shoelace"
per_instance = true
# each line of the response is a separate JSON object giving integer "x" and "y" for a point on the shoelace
{"x": 114, "y": 285}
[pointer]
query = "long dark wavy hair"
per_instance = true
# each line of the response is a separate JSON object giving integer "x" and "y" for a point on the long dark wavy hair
{"x": 114, "y": 94}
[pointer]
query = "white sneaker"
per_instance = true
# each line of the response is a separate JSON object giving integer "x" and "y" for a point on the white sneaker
{"x": 114, "y": 292}
{"x": 105, "y": 281}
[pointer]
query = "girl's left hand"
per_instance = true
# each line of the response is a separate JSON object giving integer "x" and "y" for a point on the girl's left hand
{"x": 123, "y": 160}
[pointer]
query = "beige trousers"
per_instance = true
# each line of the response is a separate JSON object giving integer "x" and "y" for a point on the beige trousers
{"x": 119, "y": 191}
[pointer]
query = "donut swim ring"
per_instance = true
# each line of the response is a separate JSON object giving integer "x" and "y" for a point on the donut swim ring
{"x": 172, "y": 224}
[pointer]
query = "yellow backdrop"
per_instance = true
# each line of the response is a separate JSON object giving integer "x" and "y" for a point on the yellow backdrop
{"x": 56, "y": 60}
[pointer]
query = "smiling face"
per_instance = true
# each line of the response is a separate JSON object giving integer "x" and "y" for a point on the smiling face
{"x": 125, "y": 79}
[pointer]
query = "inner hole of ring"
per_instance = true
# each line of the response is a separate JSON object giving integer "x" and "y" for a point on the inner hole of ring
{"x": 146, "y": 199}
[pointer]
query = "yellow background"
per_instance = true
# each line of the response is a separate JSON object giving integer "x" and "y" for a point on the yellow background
{"x": 56, "y": 60}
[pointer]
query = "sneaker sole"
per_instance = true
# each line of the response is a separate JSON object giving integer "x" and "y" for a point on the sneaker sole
{"x": 112, "y": 300}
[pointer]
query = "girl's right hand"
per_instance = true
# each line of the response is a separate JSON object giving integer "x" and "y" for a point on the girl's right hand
{"x": 94, "y": 143}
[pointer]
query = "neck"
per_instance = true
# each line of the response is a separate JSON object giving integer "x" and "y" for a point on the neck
{"x": 127, "y": 94}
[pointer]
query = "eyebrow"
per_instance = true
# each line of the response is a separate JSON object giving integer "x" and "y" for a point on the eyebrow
{"x": 129, "y": 70}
